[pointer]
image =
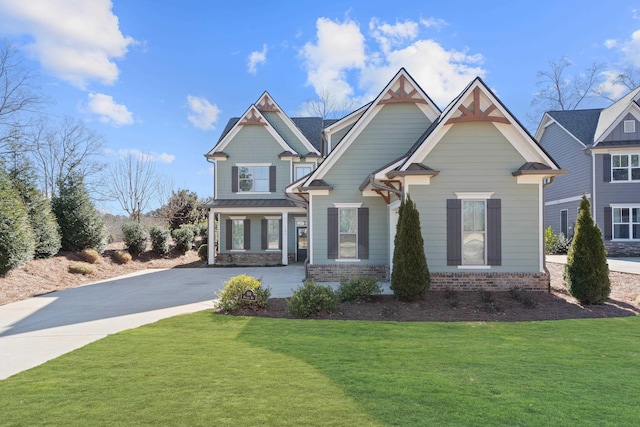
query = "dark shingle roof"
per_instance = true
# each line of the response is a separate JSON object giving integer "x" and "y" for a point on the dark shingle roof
{"x": 580, "y": 123}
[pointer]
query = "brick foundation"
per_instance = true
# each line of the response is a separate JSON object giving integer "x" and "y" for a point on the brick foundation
{"x": 459, "y": 281}
{"x": 338, "y": 272}
{"x": 249, "y": 259}
{"x": 619, "y": 249}
{"x": 490, "y": 281}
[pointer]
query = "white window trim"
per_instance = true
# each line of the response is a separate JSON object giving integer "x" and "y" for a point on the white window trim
{"x": 347, "y": 205}
{"x": 630, "y": 223}
{"x": 629, "y": 180}
{"x": 631, "y": 123}
{"x": 475, "y": 196}
{"x": 301, "y": 165}
{"x": 273, "y": 218}
{"x": 248, "y": 165}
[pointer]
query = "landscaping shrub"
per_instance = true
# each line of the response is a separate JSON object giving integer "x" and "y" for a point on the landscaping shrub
{"x": 121, "y": 257}
{"x": 312, "y": 298}
{"x": 159, "y": 239}
{"x": 358, "y": 289}
{"x": 522, "y": 297}
{"x": 410, "y": 276}
{"x": 587, "y": 272}
{"x": 89, "y": 255}
{"x": 184, "y": 237}
{"x": 451, "y": 297}
{"x": 230, "y": 298}
{"x": 135, "y": 237}
{"x": 16, "y": 236}
{"x": 203, "y": 252}
{"x": 81, "y": 268}
{"x": 555, "y": 244}
{"x": 81, "y": 226}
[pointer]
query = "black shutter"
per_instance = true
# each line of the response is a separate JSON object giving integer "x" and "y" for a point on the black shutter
{"x": 608, "y": 232}
{"x": 234, "y": 179}
{"x": 494, "y": 232}
{"x": 229, "y": 226}
{"x": 363, "y": 233}
{"x": 332, "y": 233}
{"x": 265, "y": 233}
{"x": 454, "y": 232}
{"x": 280, "y": 235}
{"x": 606, "y": 168}
{"x": 247, "y": 234}
{"x": 272, "y": 179}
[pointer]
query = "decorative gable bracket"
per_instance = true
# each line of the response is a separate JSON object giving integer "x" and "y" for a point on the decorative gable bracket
{"x": 252, "y": 118}
{"x": 473, "y": 113}
{"x": 402, "y": 94}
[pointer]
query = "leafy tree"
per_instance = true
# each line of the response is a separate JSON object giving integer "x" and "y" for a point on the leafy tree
{"x": 410, "y": 279}
{"x": 16, "y": 235}
{"x": 182, "y": 208}
{"x": 587, "y": 272}
{"x": 81, "y": 227}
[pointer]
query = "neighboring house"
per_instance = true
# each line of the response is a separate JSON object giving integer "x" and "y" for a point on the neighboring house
{"x": 475, "y": 174}
{"x": 601, "y": 150}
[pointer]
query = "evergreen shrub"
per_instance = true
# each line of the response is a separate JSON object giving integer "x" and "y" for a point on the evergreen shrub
{"x": 135, "y": 237}
{"x": 230, "y": 298}
{"x": 358, "y": 289}
{"x": 16, "y": 235}
{"x": 160, "y": 239}
{"x": 183, "y": 237}
{"x": 203, "y": 252}
{"x": 313, "y": 298}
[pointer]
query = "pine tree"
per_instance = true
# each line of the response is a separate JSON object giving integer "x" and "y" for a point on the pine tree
{"x": 45, "y": 228}
{"x": 410, "y": 276}
{"x": 16, "y": 236}
{"x": 587, "y": 272}
{"x": 81, "y": 227}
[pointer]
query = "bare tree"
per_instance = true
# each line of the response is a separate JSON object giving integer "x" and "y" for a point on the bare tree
{"x": 560, "y": 91}
{"x": 19, "y": 96}
{"x": 66, "y": 148}
{"x": 626, "y": 80}
{"x": 134, "y": 183}
{"x": 328, "y": 105}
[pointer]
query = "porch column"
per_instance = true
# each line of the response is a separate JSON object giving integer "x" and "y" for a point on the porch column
{"x": 285, "y": 238}
{"x": 211, "y": 253}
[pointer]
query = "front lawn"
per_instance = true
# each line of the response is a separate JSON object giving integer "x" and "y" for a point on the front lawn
{"x": 205, "y": 369}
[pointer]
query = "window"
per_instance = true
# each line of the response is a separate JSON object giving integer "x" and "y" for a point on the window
{"x": 301, "y": 171}
{"x": 253, "y": 179}
{"x": 625, "y": 167}
{"x": 626, "y": 223}
{"x": 237, "y": 234}
{"x": 473, "y": 232}
{"x": 629, "y": 126}
{"x": 273, "y": 234}
{"x": 348, "y": 232}
{"x": 564, "y": 222}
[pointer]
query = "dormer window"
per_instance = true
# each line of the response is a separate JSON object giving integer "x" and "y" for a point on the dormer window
{"x": 629, "y": 126}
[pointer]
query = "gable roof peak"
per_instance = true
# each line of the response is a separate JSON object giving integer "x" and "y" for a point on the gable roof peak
{"x": 267, "y": 103}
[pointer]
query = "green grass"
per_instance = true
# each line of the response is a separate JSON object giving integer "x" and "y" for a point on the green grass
{"x": 205, "y": 369}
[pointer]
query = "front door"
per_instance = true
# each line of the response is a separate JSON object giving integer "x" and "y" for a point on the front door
{"x": 301, "y": 243}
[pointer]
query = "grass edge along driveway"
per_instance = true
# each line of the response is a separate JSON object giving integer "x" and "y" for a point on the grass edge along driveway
{"x": 205, "y": 369}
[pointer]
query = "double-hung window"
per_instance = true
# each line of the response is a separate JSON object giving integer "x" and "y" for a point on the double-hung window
{"x": 474, "y": 232}
{"x": 237, "y": 234}
{"x": 253, "y": 179}
{"x": 625, "y": 167}
{"x": 348, "y": 232}
{"x": 626, "y": 223}
{"x": 273, "y": 234}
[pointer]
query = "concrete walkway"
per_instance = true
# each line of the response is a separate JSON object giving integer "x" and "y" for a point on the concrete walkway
{"x": 623, "y": 265}
{"x": 42, "y": 328}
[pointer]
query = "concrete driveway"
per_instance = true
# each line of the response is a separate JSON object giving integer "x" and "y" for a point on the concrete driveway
{"x": 42, "y": 328}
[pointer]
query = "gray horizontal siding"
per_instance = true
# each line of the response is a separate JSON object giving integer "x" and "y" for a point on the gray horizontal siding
{"x": 552, "y": 216}
{"x": 285, "y": 131}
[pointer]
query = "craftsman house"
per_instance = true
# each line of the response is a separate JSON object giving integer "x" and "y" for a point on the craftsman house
{"x": 601, "y": 149}
{"x": 327, "y": 192}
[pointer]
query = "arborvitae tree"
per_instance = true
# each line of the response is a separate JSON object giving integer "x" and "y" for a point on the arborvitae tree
{"x": 81, "y": 227}
{"x": 45, "y": 228}
{"x": 16, "y": 236}
{"x": 410, "y": 276}
{"x": 587, "y": 272}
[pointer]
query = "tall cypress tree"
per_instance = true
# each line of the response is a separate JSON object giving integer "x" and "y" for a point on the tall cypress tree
{"x": 81, "y": 227}
{"x": 410, "y": 279}
{"x": 16, "y": 236}
{"x": 587, "y": 272}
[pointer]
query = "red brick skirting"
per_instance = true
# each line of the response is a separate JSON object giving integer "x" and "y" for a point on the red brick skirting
{"x": 249, "y": 259}
{"x": 338, "y": 272}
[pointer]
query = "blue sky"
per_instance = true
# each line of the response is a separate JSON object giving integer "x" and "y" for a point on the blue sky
{"x": 163, "y": 77}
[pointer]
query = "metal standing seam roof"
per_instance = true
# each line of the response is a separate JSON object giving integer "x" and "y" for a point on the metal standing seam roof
{"x": 249, "y": 203}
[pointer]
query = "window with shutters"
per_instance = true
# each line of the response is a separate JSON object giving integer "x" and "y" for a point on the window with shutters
{"x": 253, "y": 179}
{"x": 237, "y": 234}
{"x": 625, "y": 167}
{"x": 348, "y": 232}
{"x": 626, "y": 223}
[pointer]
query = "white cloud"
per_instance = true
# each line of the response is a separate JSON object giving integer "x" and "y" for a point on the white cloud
{"x": 108, "y": 110}
{"x": 342, "y": 59}
{"x": 75, "y": 40}
{"x": 433, "y": 22}
{"x": 256, "y": 58}
{"x": 610, "y": 43}
{"x": 149, "y": 156}
{"x": 204, "y": 115}
{"x": 339, "y": 47}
